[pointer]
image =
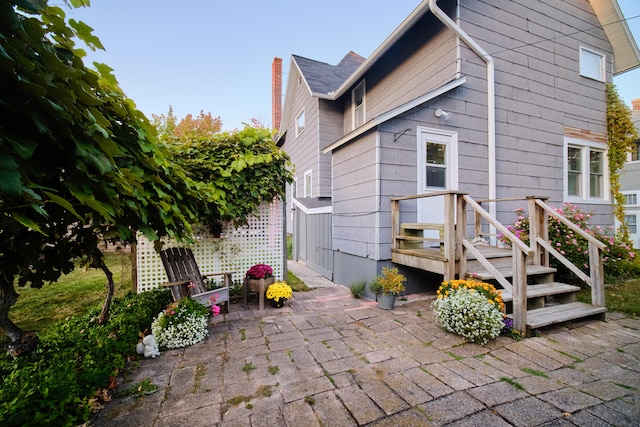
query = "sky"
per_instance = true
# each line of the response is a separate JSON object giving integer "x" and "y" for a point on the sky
{"x": 215, "y": 55}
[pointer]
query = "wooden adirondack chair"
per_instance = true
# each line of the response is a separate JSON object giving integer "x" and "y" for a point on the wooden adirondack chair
{"x": 182, "y": 270}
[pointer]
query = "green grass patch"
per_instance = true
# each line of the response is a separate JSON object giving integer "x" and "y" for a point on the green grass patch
{"x": 622, "y": 297}
{"x": 296, "y": 284}
{"x": 628, "y": 387}
{"x": 74, "y": 293}
{"x": 513, "y": 382}
{"x": 534, "y": 372}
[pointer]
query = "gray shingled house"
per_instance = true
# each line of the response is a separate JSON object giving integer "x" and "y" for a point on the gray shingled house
{"x": 492, "y": 100}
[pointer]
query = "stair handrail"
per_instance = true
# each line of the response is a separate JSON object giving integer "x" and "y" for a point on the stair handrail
{"x": 513, "y": 240}
{"x": 596, "y": 267}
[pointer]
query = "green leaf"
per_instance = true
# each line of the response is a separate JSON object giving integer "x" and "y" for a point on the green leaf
{"x": 26, "y": 221}
{"x": 85, "y": 33}
{"x": 10, "y": 177}
{"x": 62, "y": 202}
{"x": 33, "y": 6}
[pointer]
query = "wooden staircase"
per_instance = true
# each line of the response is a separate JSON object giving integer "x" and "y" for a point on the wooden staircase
{"x": 548, "y": 302}
{"x": 532, "y": 296}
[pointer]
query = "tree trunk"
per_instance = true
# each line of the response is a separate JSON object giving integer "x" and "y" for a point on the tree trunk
{"x": 104, "y": 314}
{"x": 22, "y": 342}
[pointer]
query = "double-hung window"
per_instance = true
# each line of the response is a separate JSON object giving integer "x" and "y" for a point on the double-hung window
{"x": 307, "y": 184}
{"x": 586, "y": 177}
{"x": 592, "y": 64}
{"x": 299, "y": 123}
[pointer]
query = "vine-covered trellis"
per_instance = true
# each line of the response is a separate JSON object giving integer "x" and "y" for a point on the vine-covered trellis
{"x": 237, "y": 249}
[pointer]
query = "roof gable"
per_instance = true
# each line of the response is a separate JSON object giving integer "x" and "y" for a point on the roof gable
{"x": 323, "y": 78}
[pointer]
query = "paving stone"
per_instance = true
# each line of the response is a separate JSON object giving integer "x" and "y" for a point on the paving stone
{"x": 407, "y": 389}
{"x": 547, "y": 363}
{"x": 571, "y": 376}
{"x": 483, "y": 367}
{"x": 508, "y": 369}
{"x": 308, "y": 387}
{"x": 610, "y": 416}
{"x": 472, "y": 375}
{"x": 424, "y": 355}
{"x": 320, "y": 352}
{"x": 604, "y": 390}
{"x": 628, "y": 405}
{"x": 409, "y": 418}
{"x": 383, "y": 396}
{"x": 361, "y": 407}
{"x": 343, "y": 365}
{"x": 271, "y": 418}
{"x": 600, "y": 367}
{"x": 396, "y": 364}
{"x": 451, "y": 378}
{"x": 428, "y": 382}
{"x": 300, "y": 413}
{"x": 497, "y": 393}
{"x": 537, "y": 384}
{"x": 452, "y": 407}
{"x": 559, "y": 422}
{"x": 330, "y": 411}
{"x": 482, "y": 418}
{"x": 526, "y": 412}
{"x": 519, "y": 361}
{"x": 339, "y": 348}
{"x": 541, "y": 345}
{"x": 569, "y": 399}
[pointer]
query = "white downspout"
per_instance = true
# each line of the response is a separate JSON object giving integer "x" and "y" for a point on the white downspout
{"x": 491, "y": 103}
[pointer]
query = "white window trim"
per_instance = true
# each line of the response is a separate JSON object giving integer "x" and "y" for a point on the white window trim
{"x": 297, "y": 122}
{"x": 364, "y": 104}
{"x": 625, "y": 193}
{"x": 585, "y": 146}
{"x": 310, "y": 175}
{"x": 294, "y": 189}
{"x": 603, "y": 63}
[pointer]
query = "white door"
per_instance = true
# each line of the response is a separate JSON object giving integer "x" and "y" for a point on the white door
{"x": 437, "y": 171}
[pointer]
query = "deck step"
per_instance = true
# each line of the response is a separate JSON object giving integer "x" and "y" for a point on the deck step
{"x": 560, "y": 313}
{"x": 542, "y": 290}
{"x": 508, "y": 272}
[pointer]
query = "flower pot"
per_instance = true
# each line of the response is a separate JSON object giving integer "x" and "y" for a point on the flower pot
{"x": 260, "y": 285}
{"x": 386, "y": 302}
{"x": 277, "y": 304}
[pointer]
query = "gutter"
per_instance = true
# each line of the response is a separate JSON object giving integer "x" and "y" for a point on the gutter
{"x": 491, "y": 104}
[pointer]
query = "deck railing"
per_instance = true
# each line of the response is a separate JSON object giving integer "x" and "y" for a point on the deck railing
{"x": 457, "y": 247}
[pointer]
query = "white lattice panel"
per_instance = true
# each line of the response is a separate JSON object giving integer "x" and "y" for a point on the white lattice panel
{"x": 237, "y": 249}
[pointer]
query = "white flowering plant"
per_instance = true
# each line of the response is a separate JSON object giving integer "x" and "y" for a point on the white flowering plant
{"x": 182, "y": 324}
{"x": 469, "y": 313}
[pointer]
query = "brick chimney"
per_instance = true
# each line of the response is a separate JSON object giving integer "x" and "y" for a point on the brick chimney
{"x": 636, "y": 104}
{"x": 276, "y": 93}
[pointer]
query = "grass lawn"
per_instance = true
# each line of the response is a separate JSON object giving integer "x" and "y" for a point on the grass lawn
{"x": 73, "y": 293}
{"x": 80, "y": 290}
{"x": 623, "y": 297}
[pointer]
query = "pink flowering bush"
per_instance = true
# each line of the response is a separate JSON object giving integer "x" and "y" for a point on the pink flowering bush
{"x": 260, "y": 271}
{"x": 618, "y": 256}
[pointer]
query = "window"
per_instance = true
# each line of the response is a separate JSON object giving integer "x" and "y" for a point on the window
{"x": 630, "y": 199}
{"x": 632, "y": 223}
{"x": 436, "y": 164}
{"x": 358, "y": 105}
{"x": 294, "y": 188}
{"x": 586, "y": 170}
{"x": 591, "y": 64}
{"x": 635, "y": 151}
{"x": 300, "y": 123}
{"x": 307, "y": 184}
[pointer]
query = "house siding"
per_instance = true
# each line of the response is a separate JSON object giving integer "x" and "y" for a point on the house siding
{"x": 424, "y": 59}
{"x": 539, "y": 90}
{"x": 353, "y": 198}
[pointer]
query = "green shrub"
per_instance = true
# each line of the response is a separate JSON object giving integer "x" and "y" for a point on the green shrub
{"x": 357, "y": 289}
{"x": 618, "y": 257}
{"x": 76, "y": 358}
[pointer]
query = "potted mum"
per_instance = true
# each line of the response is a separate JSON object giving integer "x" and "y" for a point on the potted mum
{"x": 259, "y": 277}
{"x": 183, "y": 323}
{"x": 471, "y": 309}
{"x": 387, "y": 286}
{"x": 278, "y": 293}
